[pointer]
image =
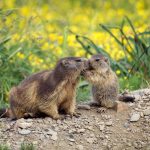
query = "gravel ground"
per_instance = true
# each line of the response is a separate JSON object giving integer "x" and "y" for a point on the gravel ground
{"x": 123, "y": 130}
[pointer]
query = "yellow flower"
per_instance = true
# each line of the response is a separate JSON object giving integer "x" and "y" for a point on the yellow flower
{"x": 15, "y": 37}
{"x": 118, "y": 72}
{"x": 46, "y": 46}
{"x": 25, "y": 11}
{"x": 20, "y": 55}
{"x": 125, "y": 78}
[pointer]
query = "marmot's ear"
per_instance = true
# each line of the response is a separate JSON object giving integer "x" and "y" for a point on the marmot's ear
{"x": 107, "y": 60}
{"x": 64, "y": 62}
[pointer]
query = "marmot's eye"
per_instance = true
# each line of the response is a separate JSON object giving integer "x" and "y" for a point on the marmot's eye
{"x": 97, "y": 59}
{"x": 78, "y": 60}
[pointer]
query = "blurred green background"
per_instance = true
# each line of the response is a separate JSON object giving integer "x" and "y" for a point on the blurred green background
{"x": 35, "y": 34}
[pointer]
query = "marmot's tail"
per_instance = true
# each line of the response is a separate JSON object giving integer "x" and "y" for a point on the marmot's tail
{"x": 5, "y": 112}
{"x": 126, "y": 98}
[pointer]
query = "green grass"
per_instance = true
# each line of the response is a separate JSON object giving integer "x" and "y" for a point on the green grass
{"x": 24, "y": 146}
{"x": 27, "y": 146}
{"x": 4, "y": 147}
{"x": 135, "y": 66}
{"x": 83, "y": 91}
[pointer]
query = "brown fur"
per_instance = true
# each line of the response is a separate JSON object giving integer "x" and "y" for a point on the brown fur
{"x": 48, "y": 92}
{"x": 104, "y": 82}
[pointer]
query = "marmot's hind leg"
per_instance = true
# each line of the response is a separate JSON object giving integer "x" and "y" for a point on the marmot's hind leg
{"x": 51, "y": 111}
{"x": 18, "y": 113}
{"x": 69, "y": 106}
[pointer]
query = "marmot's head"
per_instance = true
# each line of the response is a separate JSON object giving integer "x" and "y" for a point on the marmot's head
{"x": 99, "y": 63}
{"x": 97, "y": 68}
{"x": 70, "y": 66}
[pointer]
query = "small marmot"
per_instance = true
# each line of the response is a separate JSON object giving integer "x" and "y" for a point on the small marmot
{"x": 105, "y": 86}
{"x": 47, "y": 92}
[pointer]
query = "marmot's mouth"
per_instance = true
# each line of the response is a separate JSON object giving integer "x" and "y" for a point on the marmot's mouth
{"x": 84, "y": 71}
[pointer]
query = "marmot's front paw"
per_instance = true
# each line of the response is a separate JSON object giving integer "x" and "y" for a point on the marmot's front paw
{"x": 102, "y": 110}
{"x": 75, "y": 114}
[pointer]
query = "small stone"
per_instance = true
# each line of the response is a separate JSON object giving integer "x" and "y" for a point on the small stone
{"x": 105, "y": 143}
{"x": 90, "y": 128}
{"x": 72, "y": 131}
{"x": 109, "y": 123}
{"x": 122, "y": 107}
{"x": 21, "y": 123}
{"x": 126, "y": 125}
{"x": 135, "y": 117}
{"x": 90, "y": 140}
{"x": 35, "y": 142}
{"x": 71, "y": 143}
{"x": 80, "y": 147}
{"x": 101, "y": 127}
{"x": 24, "y": 132}
{"x": 71, "y": 140}
{"x": 80, "y": 130}
{"x": 58, "y": 121}
{"x": 51, "y": 132}
{"x": 146, "y": 112}
{"x": 86, "y": 107}
{"x": 54, "y": 137}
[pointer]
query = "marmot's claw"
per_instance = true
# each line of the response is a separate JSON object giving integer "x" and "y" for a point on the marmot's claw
{"x": 102, "y": 110}
{"x": 77, "y": 115}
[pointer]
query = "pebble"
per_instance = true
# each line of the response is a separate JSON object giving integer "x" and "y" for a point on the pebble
{"x": 51, "y": 132}
{"x": 126, "y": 125}
{"x": 101, "y": 127}
{"x": 135, "y": 117}
{"x": 109, "y": 123}
{"x": 24, "y": 131}
{"x": 122, "y": 107}
{"x": 80, "y": 130}
{"x": 54, "y": 137}
{"x": 146, "y": 112}
{"x": 71, "y": 140}
{"x": 86, "y": 107}
{"x": 23, "y": 125}
{"x": 79, "y": 147}
{"x": 90, "y": 140}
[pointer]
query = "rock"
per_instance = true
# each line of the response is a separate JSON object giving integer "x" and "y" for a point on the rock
{"x": 135, "y": 117}
{"x": 126, "y": 125}
{"x": 72, "y": 131}
{"x": 24, "y": 125}
{"x": 90, "y": 140}
{"x": 146, "y": 112}
{"x": 90, "y": 128}
{"x": 84, "y": 106}
{"x": 24, "y": 131}
{"x": 79, "y": 147}
{"x": 80, "y": 130}
{"x": 58, "y": 121}
{"x": 122, "y": 107}
{"x": 54, "y": 137}
{"x": 71, "y": 140}
{"x": 21, "y": 123}
{"x": 109, "y": 123}
{"x": 101, "y": 127}
{"x": 51, "y": 132}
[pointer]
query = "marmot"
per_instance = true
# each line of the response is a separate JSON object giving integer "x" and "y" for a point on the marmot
{"x": 47, "y": 92}
{"x": 105, "y": 86}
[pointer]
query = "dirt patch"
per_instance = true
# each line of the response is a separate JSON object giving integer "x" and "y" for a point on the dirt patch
{"x": 126, "y": 130}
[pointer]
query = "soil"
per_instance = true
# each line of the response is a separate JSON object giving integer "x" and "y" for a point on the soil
{"x": 127, "y": 129}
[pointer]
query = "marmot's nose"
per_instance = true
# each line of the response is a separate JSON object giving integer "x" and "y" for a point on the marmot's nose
{"x": 87, "y": 64}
